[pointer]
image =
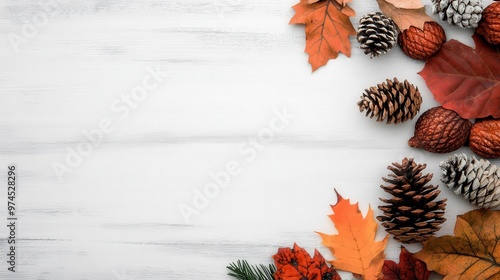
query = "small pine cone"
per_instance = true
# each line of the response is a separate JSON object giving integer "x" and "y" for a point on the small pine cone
{"x": 440, "y": 130}
{"x": 395, "y": 101}
{"x": 376, "y": 34}
{"x": 421, "y": 44}
{"x": 412, "y": 214}
{"x": 463, "y": 13}
{"x": 489, "y": 26}
{"x": 478, "y": 181}
{"x": 484, "y": 138}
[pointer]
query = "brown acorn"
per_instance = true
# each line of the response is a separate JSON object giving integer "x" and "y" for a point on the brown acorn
{"x": 489, "y": 26}
{"x": 421, "y": 44}
{"x": 484, "y": 138}
{"x": 440, "y": 130}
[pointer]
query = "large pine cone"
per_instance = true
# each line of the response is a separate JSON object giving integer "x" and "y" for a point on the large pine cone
{"x": 412, "y": 214}
{"x": 489, "y": 26}
{"x": 376, "y": 34}
{"x": 440, "y": 130}
{"x": 478, "y": 181}
{"x": 393, "y": 100}
{"x": 421, "y": 44}
{"x": 464, "y": 13}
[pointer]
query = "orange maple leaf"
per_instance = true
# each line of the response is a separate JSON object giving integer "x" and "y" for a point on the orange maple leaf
{"x": 354, "y": 247}
{"x": 327, "y": 29}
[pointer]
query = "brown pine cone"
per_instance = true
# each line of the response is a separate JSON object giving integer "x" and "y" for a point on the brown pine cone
{"x": 484, "y": 138}
{"x": 393, "y": 101}
{"x": 421, "y": 44}
{"x": 489, "y": 26}
{"x": 413, "y": 213}
{"x": 440, "y": 130}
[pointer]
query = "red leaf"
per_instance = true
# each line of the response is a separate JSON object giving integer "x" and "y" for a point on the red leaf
{"x": 464, "y": 79}
{"x": 296, "y": 264}
{"x": 409, "y": 268}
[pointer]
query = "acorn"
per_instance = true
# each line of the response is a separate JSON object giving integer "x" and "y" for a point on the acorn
{"x": 421, "y": 44}
{"x": 489, "y": 26}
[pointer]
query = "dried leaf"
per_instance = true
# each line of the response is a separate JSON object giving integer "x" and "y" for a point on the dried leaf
{"x": 464, "y": 79}
{"x": 296, "y": 264}
{"x": 354, "y": 247}
{"x": 409, "y": 268}
{"x": 327, "y": 29}
{"x": 344, "y": 2}
{"x": 405, "y": 13}
{"x": 408, "y": 4}
{"x": 474, "y": 251}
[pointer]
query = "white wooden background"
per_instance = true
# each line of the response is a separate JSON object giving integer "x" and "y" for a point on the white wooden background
{"x": 231, "y": 64}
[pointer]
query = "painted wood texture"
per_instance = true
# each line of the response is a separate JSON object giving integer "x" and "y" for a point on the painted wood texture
{"x": 141, "y": 104}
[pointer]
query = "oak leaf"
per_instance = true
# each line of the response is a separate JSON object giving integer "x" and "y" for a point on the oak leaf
{"x": 354, "y": 247}
{"x": 474, "y": 251}
{"x": 405, "y": 13}
{"x": 464, "y": 79}
{"x": 296, "y": 264}
{"x": 409, "y": 268}
{"x": 327, "y": 29}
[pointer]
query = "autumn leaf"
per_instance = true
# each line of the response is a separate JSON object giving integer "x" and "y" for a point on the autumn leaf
{"x": 296, "y": 264}
{"x": 474, "y": 251}
{"x": 409, "y": 268}
{"x": 327, "y": 29}
{"x": 354, "y": 247}
{"x": 406, "y": 4}
{"x": 464, "y": 79}
{"x": 405, "y": 13}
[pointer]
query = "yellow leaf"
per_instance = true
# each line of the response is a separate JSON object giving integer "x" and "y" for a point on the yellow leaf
{"x": 354, "y": 247}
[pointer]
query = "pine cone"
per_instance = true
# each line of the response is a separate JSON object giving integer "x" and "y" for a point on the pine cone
{"x": 439, "y": 130}
{"x": 395, "y": 101}
{"x": 464, "y": 13}
{"x": 421, "y": 44}
{"x": 478, "y": 181}
{"x": 376, "y": 34}
{"x": 411, "y": 215}
{"x": 489, "y": 26}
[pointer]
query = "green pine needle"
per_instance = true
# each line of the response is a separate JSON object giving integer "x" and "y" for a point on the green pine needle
{"x": 243, "y": 271}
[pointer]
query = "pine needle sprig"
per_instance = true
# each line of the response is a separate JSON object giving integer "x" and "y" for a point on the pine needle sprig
{"x": 242, "y": 270}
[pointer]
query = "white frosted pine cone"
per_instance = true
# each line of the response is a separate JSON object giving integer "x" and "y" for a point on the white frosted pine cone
{"x": 463, "y": 13}
{"x": 478, "y": 181}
